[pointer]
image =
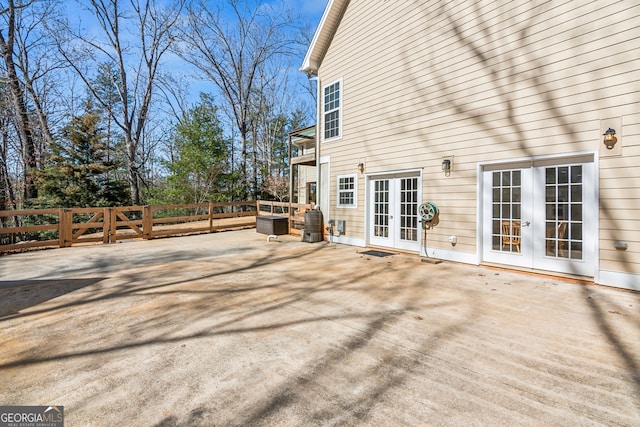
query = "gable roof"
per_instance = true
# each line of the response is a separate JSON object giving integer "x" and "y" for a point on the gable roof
{"x": 323, "y": 36}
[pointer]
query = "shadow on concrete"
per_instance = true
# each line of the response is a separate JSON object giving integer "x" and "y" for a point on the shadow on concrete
{"x": 269, "y": 257}
{"x": 241, "y": 304}
{"x": 602, "y": 315}
{"x": 18, "y": 295}
{"x": 386, "y": 374}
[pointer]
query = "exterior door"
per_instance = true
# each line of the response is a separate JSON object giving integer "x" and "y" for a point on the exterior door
{"x": 508, "y": 235}
{"x": 541, "y": 215}
{"x": 393, "y": 212}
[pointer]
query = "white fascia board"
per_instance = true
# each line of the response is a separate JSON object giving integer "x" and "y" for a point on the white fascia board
{"x": 322, "y": 36}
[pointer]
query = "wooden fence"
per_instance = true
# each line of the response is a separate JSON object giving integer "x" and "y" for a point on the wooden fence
{"x": 37, "y": 228}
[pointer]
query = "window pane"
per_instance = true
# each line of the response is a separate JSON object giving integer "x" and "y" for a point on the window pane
{"x": 563, "y": 175}
{"x": 576, "y": 193}
{"x": 550, "y": 176}
{"x": 516, "y": 194}
{"x": 506, "y": 178}
{"x": 495, "y": 244}
{"x": 576, "y": 231}
{"x": 550, "y": 230}
{"x": 563, "y": 212}
{"x": 516, "y": 211}
{"x": 331, "y": 110}
{"x": 346, "y": 190}
{"x": 576, "y": 212}
{"x": 516, "y": 178}
{"x": 576, "y": 250}
{"x": 506, "y": 195}
{"x": 576, "y": 174}
{"x": 550, "y": 193}
{"x": 551, "y": 248}
{"x": 551, "y": 212}
{"x": 563, "y": 193}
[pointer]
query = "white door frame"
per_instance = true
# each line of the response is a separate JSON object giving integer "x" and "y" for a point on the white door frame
{"x": 394, "y": 177}
{"x": 323, "y": 189}
{"x": 538, "y": 260}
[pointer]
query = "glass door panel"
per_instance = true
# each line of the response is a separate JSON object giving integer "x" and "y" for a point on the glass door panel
{"x": 563, "y": 212}
{"x": 381, "y": 208}
{"x": 507, "y": 194}
{"x": 409, "y": 209}
{"x": 566, "y": 211}
{"x": 506, "y": 211}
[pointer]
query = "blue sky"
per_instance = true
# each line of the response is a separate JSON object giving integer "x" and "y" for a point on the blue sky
{"x": 311, "y": 10}
{"x": 309, "y": 13}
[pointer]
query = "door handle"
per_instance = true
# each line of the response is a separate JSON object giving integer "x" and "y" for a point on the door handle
{"x": 526, "y": 223}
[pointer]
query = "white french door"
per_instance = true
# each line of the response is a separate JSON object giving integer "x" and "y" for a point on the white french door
{"x": 393, "y": 212}
{"x": 541, "y": 215}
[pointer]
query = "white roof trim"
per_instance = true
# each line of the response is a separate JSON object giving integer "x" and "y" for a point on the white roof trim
{"x": 323, "y": 35}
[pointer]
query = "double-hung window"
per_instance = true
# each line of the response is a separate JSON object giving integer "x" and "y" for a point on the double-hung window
{"x": 347, "y": 191}
{"x": 332, "y": 110}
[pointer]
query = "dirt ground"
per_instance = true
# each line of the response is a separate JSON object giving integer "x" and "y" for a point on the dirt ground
{"x": 228, "y": 329}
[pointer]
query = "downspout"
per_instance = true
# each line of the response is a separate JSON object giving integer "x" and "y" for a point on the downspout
{"x": 291, "y": 181}
{"x": 316, "y": 78}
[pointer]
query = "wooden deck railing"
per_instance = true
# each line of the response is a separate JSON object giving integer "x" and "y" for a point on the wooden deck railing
{"x": 39, "y": 228}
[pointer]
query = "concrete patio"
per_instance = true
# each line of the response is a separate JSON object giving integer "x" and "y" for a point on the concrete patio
{"x": 228, "y": 329}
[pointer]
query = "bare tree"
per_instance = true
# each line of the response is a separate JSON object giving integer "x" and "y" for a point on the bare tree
{"x": 277, "y": 186}
{"x": 272, "y": 103}
{"x": 230, "y": 50}
{"x": 136, "y": 65}
{"x": 304, "y": 41}
{"x": 7, "y": 196}
{"x": 25, "y": 127}
{"x": 36, "y": 63}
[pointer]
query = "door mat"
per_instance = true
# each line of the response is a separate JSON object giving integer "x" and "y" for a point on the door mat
{"x": 377, "y": 253}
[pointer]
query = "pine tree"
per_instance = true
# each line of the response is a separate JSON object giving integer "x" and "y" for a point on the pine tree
{"x": 77, "y": 174}
{"x": 200, "y": 168}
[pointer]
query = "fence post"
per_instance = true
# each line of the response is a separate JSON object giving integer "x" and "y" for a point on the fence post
{"x": 147, "y": 222}
{"x": 61, "y": 227}
{"x": 210, "y": 217}
{"x": 113, "y": 228}
{"x": 65, "y": 232}
{"x": 106, "y": 225}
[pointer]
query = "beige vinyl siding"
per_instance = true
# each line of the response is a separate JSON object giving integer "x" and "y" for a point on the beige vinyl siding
{"x": 354, "y": 217}
{"x": 620, "y": 202}
{"x": 487, "y": 82}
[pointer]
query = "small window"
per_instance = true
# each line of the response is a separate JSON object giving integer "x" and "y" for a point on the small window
{"x": 347, "y": 191}
{"x": 332, "y": 111}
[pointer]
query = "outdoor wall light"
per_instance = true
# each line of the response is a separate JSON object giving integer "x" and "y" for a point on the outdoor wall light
{"x": 446, "y": 166}
{"x": 361, "y": 167}
{"x": 610, "y": 138}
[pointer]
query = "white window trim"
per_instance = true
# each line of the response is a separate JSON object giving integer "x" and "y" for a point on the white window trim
{"x": 335, "y": 138}
{"x": 355, "y": 191}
